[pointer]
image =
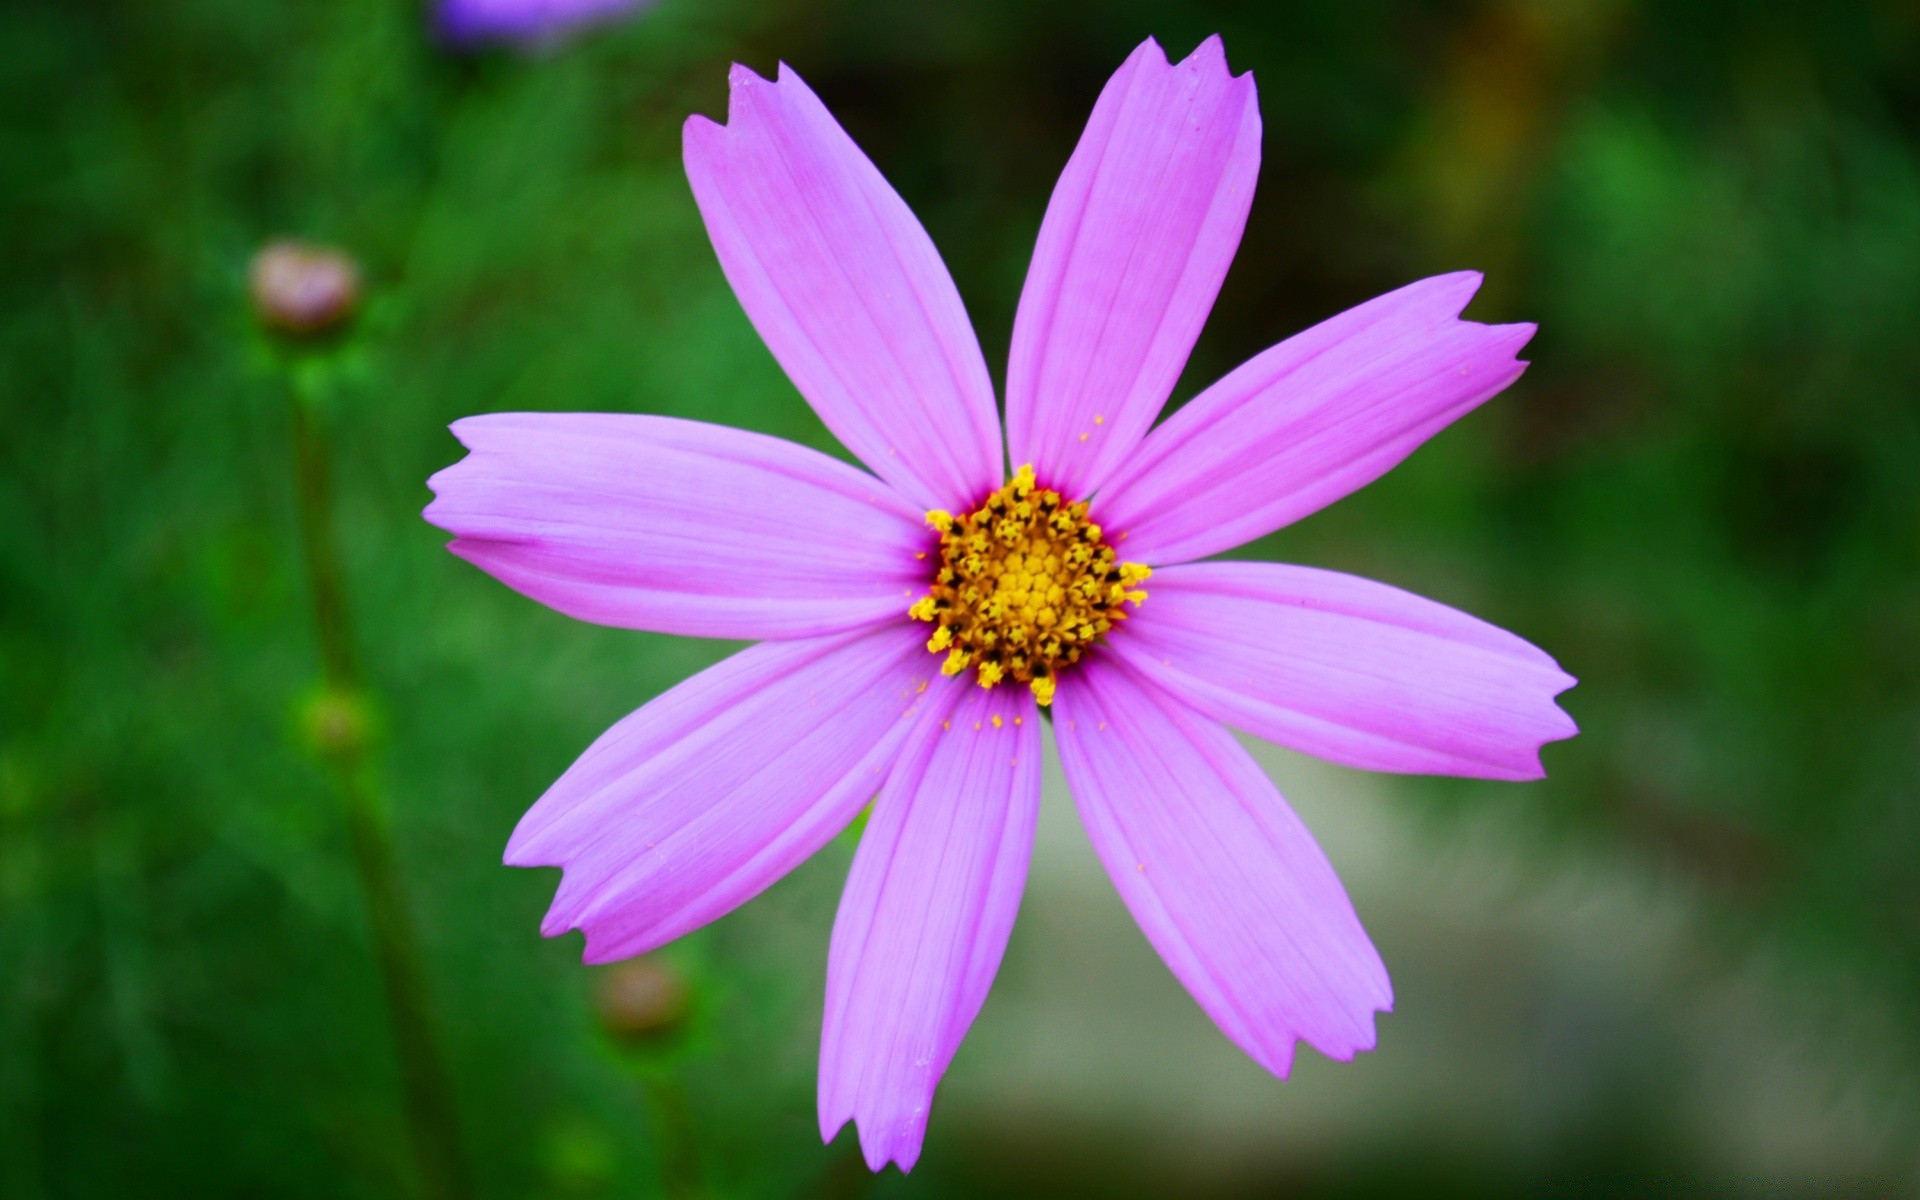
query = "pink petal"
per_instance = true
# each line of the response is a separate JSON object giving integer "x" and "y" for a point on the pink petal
{"x": 1348, "y": 669}
{"x": 467, "y": 23}
{"x": 1300, "y": 425}
{"x": 926, "y": 914}
{"x": 847, "y": 290}
{"x": 678, "y": 526}
{"x": 1137, "y": 238}
{"x": 1224, "y": 880}
{"x": 694, "y": 804}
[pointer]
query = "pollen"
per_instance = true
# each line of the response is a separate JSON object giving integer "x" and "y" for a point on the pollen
{"x": 1026, "y": 586}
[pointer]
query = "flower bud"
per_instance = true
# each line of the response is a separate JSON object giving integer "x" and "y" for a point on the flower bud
{"x": 471, "y": 23}
{"x": 335, "y": 724}
{"x": 301, "y": 289}
{"x": 642, "y": 999}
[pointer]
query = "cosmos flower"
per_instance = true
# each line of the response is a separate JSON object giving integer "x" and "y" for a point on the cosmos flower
{"x": 531, "y": 22}
{"x": 917, "y": 619}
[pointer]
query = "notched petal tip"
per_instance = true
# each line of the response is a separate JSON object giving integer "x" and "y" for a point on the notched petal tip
{"x": 741, "y": 80}
{"x": 1210, "y": 57}
{"x": 832, "y": 1123}
{"x": 741, "y": 76}
{"x": 1210, "y": 54}
{"x": 471, "y": 431}
{"x": 483, "y": 552}
{"x": 557, "y": 920}
{"x": 1146, "y": 51}
{"x": 437, "y": 483}
{"x": 1361, "y": 1045}
{"x": 1455, "y": 290}
{"x": 1469, "y": 279}
{"x": 599, "y": 953}
{"x": 879, "y": 1143}
{"x": 1444, "y": 297}
{"x": 522, "y": 851}
{"x": 516, "y": 855}
{"x": 1365, "y": 1037}
{"x": 449, "y": 477}
{"x": 1532, "y": 766}
{"x": 900, "y": 1147}
{"x": 1564, "y": 727}
{"x": 698, "y": 132}
{"x": 598, "y": 947}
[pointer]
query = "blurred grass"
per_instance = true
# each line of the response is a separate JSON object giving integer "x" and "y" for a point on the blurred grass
{"x": 1704, "y": 499}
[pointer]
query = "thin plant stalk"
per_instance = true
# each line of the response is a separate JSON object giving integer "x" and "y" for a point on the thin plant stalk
{"x": 340, "y": 726}
{"x": 672, "y": 1122}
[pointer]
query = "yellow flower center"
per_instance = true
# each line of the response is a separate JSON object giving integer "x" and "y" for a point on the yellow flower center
{"x": 1025, "y": 587}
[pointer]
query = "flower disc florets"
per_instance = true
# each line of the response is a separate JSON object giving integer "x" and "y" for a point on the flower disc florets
{"x": 1025, "y": 587}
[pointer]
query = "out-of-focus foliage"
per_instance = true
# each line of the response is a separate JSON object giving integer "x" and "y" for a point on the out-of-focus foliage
{"x": 1704, "y": 499}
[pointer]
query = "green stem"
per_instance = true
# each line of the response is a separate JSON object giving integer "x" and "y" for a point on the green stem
{"x": 673, "y": 1138}
{"x": 322, "y": 550}
{"x": 432, "y": 1122}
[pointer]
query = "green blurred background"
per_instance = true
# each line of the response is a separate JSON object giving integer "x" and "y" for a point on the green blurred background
{"x": 1687, "y": 961}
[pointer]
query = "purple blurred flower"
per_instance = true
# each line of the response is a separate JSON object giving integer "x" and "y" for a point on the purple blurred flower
{"x": 302, "y": 289}
{"x": 473, "y": 22}
{"x": 705, "y": 796}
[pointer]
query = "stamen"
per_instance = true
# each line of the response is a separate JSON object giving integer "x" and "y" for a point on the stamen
{"x": 1025, "y": 587}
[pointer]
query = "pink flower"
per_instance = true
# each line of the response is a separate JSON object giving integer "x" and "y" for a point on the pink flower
{"x": 1029, "y": 586}
{"x": 473, "y": 22}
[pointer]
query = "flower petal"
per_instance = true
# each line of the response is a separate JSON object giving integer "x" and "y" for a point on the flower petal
{"x": 847, "y": 290}
{"x": 535, "y": 22}
{"x": 678, "y": 526}
{"x": 926, "y": 915}
{"x": 1224, "y": 880}
{"x": 697, "y": 802}
{"x": 1348, "y": 669}
{"x": 1136, "y": 241}
{"x": 1300, "y": 425}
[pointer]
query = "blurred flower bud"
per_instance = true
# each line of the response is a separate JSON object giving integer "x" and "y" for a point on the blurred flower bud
{"x": 335, "y": 724}
{"x": 642, "y": 999}
{"x": 469, "y": 23}
{"x": 302, "y": 289}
